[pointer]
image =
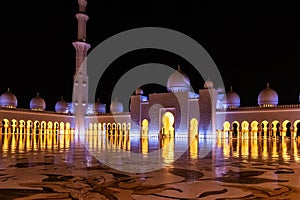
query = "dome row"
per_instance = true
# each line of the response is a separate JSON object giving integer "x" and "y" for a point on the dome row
{"x": 180, "y": 82}
{"x": 268, "y": 97}
{"x": 37, "y": 103}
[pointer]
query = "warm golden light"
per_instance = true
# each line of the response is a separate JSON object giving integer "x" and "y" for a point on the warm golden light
{"x": 167, "y": 122}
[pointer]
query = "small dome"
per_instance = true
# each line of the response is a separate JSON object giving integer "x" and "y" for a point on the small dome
{"x": 208, "y": 84}
{"x": 178, "y": 82}
{"x": 268, "y": 97}
{"x": 99, "y": 107}
{"x": 61, "y": 106}
{"x": 220, "y": 90}
{"x": 8, "y": 100}
{"x": 37, "y": 103}
{"x": 116, "y": 106}
{"x": 232, "y": 99}
{"x": 139, "y": 91}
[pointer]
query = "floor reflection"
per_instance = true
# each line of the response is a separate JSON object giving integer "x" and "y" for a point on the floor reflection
{"x": 260, "y": 149}
{"x": 60, "y": 165}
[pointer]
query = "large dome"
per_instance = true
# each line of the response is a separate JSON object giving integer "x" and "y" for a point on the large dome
{"x": 37, "y": 103}
{"x": 232, "y": 99}
{"x": 99, "y": 107}
{"x": 208, "y": 84}
{"x": 267, "y": 97}
{"x": 139, "y": 91}
{"x": 8, "y": 100}
{"x": 178, "y": 82}
{"x": 61, "y": 106}
{"x": 116, "y": 106}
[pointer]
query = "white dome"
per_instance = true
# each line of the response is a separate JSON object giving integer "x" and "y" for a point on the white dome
{"x": 232, "y": 99}
{"x": 139, "y": 91}
{"x": 37, "y": 103}
{"x": 267, "y": 97}
{"x": 99, "y": 107}
{"x": 116, "y": 106}
{"x": 208, "y": 84}
{"x": 61, "y": 106}
{"x": 8, "y": 100}
{"x": 178, "y": 82}
{"x": 220, "y": 90}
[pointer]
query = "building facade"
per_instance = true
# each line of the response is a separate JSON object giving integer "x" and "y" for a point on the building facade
{"x": 210, "y": 112}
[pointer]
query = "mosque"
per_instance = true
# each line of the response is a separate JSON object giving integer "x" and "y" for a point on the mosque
{"x": 211, "y": 112}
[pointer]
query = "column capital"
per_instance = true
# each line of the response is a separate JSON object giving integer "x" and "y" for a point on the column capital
{"x": 82, "y": 17}
{"x": 81, "y": 46}
{"x": 82, "y": 5}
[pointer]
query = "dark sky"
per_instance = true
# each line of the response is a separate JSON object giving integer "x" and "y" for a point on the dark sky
{"x": 251, "y": 44}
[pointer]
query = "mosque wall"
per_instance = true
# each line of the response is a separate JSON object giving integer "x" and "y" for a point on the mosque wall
{"x": 135, "y": 112}
{"x": 164, "y": 102}
{"x": 109, "y": 118}
{"x": 24, "y": 114}
{"x": 259, "y": 114}
{"x": 207, "y": 106}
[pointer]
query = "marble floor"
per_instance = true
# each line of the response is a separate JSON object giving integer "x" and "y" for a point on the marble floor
{"x": 64, "y": 166}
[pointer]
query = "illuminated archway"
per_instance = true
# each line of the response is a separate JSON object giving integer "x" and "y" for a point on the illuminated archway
{"x": 226, "y": 129}
{"x": 265, "y": 128}
{"x": 167, "y": 124}
{"x": 254, "y": 126}
{"x": 29, "y": 125}
{"x": 245, "y": 126}
{"x": 235, "y": 129}
{"x": 114, "y": 128}
{"x": 128, "y": 126}
{"x": 43, "y": 126}
{"x": 68, "y": 126}
{"x": 145, "y": 125}
{"x": 5, "y": 125}
{"x": 226, "y": 126}
{"x": 99, "y": 126}
{"x": 49, "y": 125}
{"x": 36, "y": 126}
{"x": 22, "y": 125}
{"x": 297, "y": 128}
{"x": 62, "y": 126}
{"x": 245, "y": 129}
{"x": 286, "y": 128}
{"x": 275, "y": 128}
{"x": 124, "y": 127}
{"x": 193, "y": 128}
{"x": 104, "y": 126}
{"x": 14, "y": 124}
{"x": 56, "y": 125}
{"x": 119, "y": 126}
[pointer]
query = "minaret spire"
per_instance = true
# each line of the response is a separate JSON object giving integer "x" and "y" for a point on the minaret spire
{"x": 80, "y": 44}
{"x": 80, "y": 88}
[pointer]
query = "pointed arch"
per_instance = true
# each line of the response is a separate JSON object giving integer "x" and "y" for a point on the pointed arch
{"x": 245, "y": 126}
{"x": 254, "y": 126}
{"x": 193, "y": 133}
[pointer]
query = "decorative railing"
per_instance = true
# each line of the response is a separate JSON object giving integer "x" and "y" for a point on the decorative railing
{"x": 279, "y": 107}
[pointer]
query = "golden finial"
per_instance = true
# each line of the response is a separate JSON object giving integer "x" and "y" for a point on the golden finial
{"x": 178, "y": 68}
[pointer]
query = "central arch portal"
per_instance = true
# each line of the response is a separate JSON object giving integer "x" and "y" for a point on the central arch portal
{"x": 168, "y": 125}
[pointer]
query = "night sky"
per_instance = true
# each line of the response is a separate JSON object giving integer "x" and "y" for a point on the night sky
{"x": 251, "y": 43}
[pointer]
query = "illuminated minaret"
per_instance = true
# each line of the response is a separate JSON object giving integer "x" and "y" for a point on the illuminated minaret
{"x": 80, "y": 88}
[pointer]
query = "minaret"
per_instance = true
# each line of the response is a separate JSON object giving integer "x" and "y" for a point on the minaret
{"x": 80, "y": 87}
